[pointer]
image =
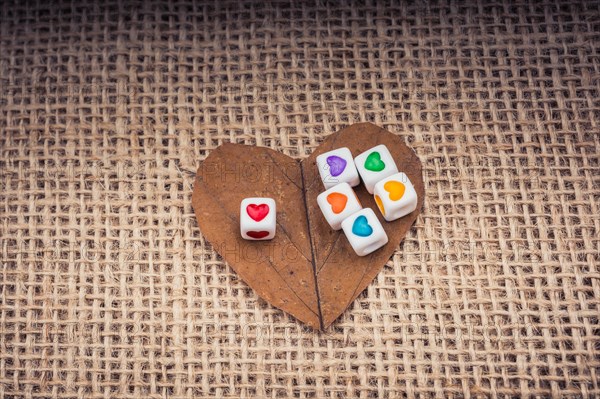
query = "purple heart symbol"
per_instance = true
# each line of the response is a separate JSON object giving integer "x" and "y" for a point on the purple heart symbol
{"x": 336, "y": 165}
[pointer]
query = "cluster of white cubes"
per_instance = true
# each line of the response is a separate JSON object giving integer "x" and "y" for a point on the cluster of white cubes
{"x": 394, "y": 195}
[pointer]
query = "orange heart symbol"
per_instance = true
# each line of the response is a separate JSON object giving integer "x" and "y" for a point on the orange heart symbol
{"x": 338, "y": 202}
{"x": 395, "y": 188}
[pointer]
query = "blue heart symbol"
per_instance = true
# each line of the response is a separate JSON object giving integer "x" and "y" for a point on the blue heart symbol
{"x": 336, "y": 165}
{"x": 361, "y": 227}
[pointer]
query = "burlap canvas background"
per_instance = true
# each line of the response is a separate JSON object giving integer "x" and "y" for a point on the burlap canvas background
{"x": 107, "y": 288}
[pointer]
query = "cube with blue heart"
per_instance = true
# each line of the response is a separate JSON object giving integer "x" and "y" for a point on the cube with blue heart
{"x": 364, "y": 232}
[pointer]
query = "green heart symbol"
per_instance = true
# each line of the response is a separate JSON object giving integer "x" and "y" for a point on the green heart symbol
{"x": 374, "y": 162}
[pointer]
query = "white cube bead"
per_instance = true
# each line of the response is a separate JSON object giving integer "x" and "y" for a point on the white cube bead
{"x": 338, "y": 203}
{"x": 374, "y": 165}
{"x": 395, "y": 196}
{"x": 364, "y": 232}
{"x": 337, "y": 166}
{"x": 258, "y": 218}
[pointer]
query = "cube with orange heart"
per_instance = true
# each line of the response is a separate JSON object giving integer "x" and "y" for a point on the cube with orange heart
{"x": 338, "y": 203}
{"x": 395, "y": 196}
{"x": 258, "y": 218}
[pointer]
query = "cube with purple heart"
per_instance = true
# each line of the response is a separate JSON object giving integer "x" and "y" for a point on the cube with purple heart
{"x": 337, "y": 166}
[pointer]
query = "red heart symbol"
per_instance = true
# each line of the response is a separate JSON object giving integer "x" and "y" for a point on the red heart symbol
{"x": 257, "y": 234}
{"x": 308, "y": 270}
{"x": 257, "y": 212}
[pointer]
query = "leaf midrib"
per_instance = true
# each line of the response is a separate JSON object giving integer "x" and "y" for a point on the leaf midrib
{"x": 313, "y": 260}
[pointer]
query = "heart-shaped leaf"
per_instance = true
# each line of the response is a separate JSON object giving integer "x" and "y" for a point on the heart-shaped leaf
{"x": 308, "y": 269}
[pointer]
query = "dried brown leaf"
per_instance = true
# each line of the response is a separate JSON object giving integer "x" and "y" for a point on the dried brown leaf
{"x": 308, "y": 269}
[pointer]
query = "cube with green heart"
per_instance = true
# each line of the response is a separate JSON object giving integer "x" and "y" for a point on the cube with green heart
{"x": 338, "y": 203}
{"x": 258, "y": 218}
{"x": 395, "y": 196}
{"x": 364, "y": 232}
{"x": 374, "y": 165}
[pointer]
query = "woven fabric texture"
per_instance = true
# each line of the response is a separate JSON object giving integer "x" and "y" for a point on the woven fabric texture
{"x": 108, "y": 289}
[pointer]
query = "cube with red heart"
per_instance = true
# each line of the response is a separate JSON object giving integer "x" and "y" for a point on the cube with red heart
{"x": 258, "y": 218}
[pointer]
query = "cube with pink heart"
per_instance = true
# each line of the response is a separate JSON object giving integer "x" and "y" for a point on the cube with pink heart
{"x": 258, "y": 218}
